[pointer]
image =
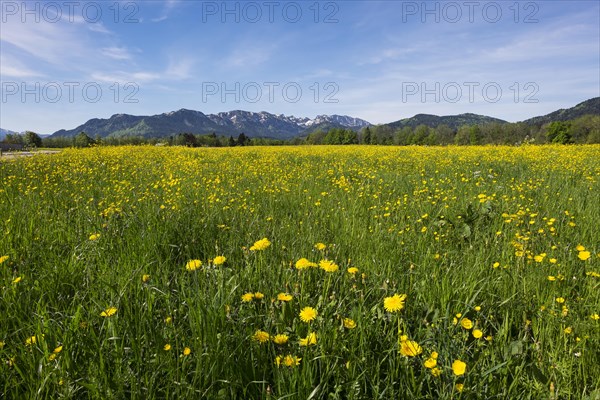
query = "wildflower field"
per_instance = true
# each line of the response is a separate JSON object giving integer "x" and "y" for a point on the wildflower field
{"x": 301, "y": 272}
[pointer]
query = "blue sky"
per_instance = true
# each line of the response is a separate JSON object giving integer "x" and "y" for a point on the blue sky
{"x": 62, "y": 63}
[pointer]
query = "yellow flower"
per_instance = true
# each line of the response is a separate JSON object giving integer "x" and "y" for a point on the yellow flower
{"x": 303, "y": 263}
{"x": 595, "y": 316}
{"x": 320, "y": 246}
{"x": 436, "y": 372}
{"x": 247, "y": 297}
{"x": 280, "y": 339}
{"x": 459, "y": 387}
{"x": 309, "y": 340}
{"x": 352, "y": 270}
{"x": 187, "y": 351}
{"x": 328, "y": 266}
{"x": 394, "y": 303}
{"x": 259, "y": 296}
{"x": 284, "y": 297}
{"x": 478, "y": 308}
{"x": 57, "y": 350}
{"x": 430, "y": 363}
{"x": 3, "y": 259}
{"x": 94, "y": 236}
{"x": 145, "y": 278}
{"x": 109, "y": 312}
{"x": 261, "y": 336}
{"x": 580, "y": 248}
{"x": 262, "y": 244}
{"x": 291, "y": 361}
{"x": 17, "y": 280}
{"x": 308, "y": 314}
{"x": 477, "y": 333}
{"x": 193, "y": 265}
{"x": 459, "y": 367}
{"x": 219, "y": 260}
{"x": 168, "y": 320}
{"x": 560, "y": 300}
{"x": 167, "y": 347}
{"x": 568, "y": 330}
{"x": 551, "y": 278}
{"x": 466, "y": 323}
{"x": 349, "y": 323}
{"x": 31, "y": 340}
{"x": 410, "y": 348}
{"x": 584, "y": 255}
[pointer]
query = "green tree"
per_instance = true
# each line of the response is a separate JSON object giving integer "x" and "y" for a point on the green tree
{"x": 32, "y": 139}
{"x": 559, "y": 132}
{"x": 82, "y": 140}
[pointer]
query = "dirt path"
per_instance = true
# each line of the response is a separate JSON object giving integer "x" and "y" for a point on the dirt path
{"x": 12, "y": 155}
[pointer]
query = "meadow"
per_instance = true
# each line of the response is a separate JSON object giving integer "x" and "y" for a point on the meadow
{"x": 314, "y": 272}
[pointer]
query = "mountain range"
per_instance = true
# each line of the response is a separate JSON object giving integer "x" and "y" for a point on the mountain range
{"x": 232, "y": 123}
{"x": 267, "y": 125}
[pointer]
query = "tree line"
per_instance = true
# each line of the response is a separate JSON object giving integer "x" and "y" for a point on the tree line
{"x": 585, "y": 129}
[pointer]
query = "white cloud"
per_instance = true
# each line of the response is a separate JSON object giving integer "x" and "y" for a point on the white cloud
{"x": 117, "y": 53}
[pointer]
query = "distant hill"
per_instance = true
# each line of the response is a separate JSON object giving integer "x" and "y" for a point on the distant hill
{"x": 232, "y": 123}
{"x": 453, "y": 121}
{"x": 4, "y": 132}
{"x": 591, "y": 106}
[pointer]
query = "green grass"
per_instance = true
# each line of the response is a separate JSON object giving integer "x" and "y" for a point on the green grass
{"x": 430, "y": 223}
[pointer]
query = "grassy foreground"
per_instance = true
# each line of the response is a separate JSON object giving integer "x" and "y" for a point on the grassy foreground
{"x": 251, "y": 273}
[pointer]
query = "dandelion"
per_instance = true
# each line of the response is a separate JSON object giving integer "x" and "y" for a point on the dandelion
{"x": 95, "y": 236}
{"x": 394, "y": 303}
{"x": 466, "y": 323}
{"x": 328, "y": 266}
{"x": 303, "y": 263}
{"x": 247, "y": 297}
{"x": 168, "y": 320}
{"x": 352, "y": 270}
{"x": 187, "y": 351}
{"x": 280, "y": 339}
{"x": 109, "y": 312}
{"x": 583, "y": 255}
{"x": 259, "y": 296}
{"x": 291, "y": 361}
{"x": 193, "y": 265}
{"x": 219, "y": 260}
{"x": 349, "y": 323}
{"x": 551, "y": 278}
{"x": 284, "y": 297}
{"x": 436, "y": 372}
{"x": 3, "y": 259}
{"x": 459, "y": 387}
{"x": 260, "y": 245}
{"x": 459, "y": 367}
{"x": 410, "y": 348}
{"x": 320, "y": 246}
{"x": 145, "y": 278}
{"x": 308, "y": 314}
{"x": 167, "y": 347}
{"x": 580, "y": 248}
{"x": 560, "y": 300}
{"x": 477, "y": 333}
{"x": 478, "y": 308}
{"x": 309, "y": 340}
{"x": 261, "y": 336}
{"x": 595, "y": 316}
{"x": 568, "y": 330}
{"x": 17, "y": 280}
